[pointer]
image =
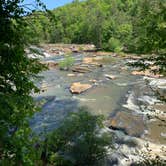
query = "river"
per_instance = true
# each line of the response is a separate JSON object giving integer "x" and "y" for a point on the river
{"x": 132, "y": 110}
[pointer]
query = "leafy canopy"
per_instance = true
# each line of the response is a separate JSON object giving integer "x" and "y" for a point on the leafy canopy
{"x": 17, "y": 72}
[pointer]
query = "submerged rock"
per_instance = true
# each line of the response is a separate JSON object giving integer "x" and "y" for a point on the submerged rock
{"x": 77, "y": 87}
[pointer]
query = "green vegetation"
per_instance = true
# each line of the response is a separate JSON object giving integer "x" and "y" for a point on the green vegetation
{"x": 16, "y": 74}
{"x": 127, "y": 25}
{"x": 78, "y": 141}
{"x": 66, "y": 63}
{"x": 114, "y": 45}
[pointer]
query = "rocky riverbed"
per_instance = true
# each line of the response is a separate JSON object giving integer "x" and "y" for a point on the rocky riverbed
{"x": 130, "y": 102}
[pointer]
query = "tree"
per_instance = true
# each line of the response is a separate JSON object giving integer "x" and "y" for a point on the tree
{"x": 17, "y": 72}
{"x": 150, "y": 32}
{"x": 78, "y": 141}
{"x": 149, "y": 26}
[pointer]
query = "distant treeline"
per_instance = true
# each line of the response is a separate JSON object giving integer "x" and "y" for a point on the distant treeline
{"x": 117, "y": 25}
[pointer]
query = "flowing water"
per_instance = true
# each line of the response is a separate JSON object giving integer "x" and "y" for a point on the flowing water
{"x": 127, "y": 96}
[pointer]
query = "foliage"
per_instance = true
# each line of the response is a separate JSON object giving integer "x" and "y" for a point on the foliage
{"x": 16, "y": 74}
{"x": 98, "y": 22}
{"x": 136, "y": 26}
{"x": 67, "y": 62}
{"x": 114, "y": 45}
{"x": 78, "y": 141}
{"x": 151, "y": 28}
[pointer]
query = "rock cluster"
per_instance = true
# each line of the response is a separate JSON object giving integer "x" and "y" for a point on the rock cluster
{"x": 147, "y": 73}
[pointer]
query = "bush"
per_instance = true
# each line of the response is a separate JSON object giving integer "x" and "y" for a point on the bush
{"x": 66, "y": 63}
{"x": 78, "y": 141}
{"x": 114, "y": 45}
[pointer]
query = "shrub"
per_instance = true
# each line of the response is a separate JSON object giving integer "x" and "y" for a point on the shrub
{"x": 81, "y": 48}
{"x": 114, "y": 45}
{"x": 66, "y": 63}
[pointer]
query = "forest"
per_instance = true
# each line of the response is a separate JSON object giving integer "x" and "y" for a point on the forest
{"x": 99, "y": 100}
{"x": 116, "y": 25}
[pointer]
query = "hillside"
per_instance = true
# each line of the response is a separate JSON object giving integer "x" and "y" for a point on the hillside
{"x": 115, "y": 25}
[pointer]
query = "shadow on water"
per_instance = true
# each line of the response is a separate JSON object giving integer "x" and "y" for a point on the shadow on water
{"x": 52, "y": 114}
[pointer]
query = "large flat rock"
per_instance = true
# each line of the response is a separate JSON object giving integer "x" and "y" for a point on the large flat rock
{"x": 130, "y": 124}
{"x": 77, "y": 87}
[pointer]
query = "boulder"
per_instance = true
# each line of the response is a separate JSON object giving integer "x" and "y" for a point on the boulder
{"x": 71, "y": 75}
{"x": 88, "y": 60}
{"x": 81, "y": 69}
{"x": 130, "y": 124}
{"x": 77, "y": 87}
{"x": 112, "y": 77}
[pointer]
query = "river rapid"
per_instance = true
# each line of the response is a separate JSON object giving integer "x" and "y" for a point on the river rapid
{"x": 134, "y": 113}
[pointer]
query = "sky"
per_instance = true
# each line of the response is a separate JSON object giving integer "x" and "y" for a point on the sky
{"x": 51, "y": 4}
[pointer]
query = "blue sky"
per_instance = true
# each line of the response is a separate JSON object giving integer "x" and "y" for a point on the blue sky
{"x": 51, "y": 4}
